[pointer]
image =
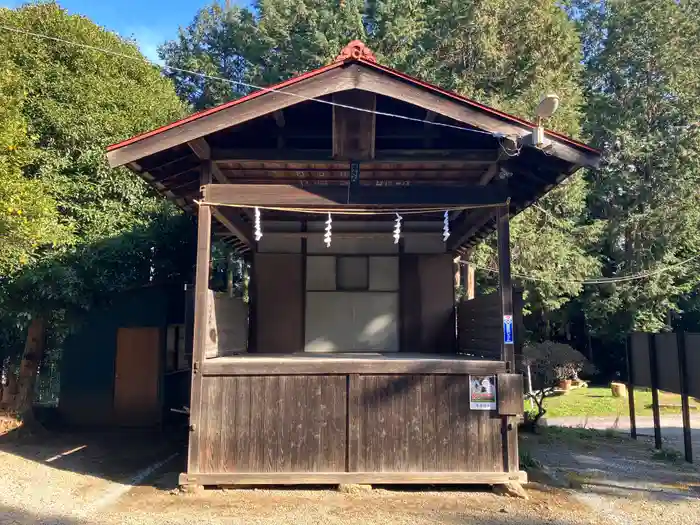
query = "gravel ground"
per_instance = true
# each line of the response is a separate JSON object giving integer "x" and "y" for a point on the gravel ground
{"x": 110, "y": 479}
{"x": 92, "y": 483}
{"x": 617, "y": 477}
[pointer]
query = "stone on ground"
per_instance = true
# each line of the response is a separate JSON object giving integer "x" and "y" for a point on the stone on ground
{"x": 511, "y": 489}
{"x": 353, "y": 488}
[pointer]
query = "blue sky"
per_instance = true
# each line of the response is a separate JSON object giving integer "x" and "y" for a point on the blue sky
{"x": 149, "y": 22}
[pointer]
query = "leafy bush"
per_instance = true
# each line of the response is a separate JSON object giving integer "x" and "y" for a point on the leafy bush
{"x": 549, "y": 364}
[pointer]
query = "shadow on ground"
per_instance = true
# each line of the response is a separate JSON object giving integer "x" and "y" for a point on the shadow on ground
{"x": 114, "y": 455}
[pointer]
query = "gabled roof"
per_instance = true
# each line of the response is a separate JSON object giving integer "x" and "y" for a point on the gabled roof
{"x": 477, "y": 115}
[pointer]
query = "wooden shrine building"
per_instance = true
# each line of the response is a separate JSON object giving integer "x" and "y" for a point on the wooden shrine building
{"x": 351, "y": 190}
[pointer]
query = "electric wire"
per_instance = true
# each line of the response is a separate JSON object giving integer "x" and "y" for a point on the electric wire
{"x": 141, "y": 58}
{"x": 600, "y": 280}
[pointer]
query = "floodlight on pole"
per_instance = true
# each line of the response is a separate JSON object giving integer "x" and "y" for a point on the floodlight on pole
{"x": 545, "y": 109}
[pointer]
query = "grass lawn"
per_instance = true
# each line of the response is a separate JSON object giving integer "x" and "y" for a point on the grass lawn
{"x": 598, "y": 401}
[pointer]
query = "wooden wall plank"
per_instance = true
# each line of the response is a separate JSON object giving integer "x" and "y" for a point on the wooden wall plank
{"x": 397, "y": 423}
{"x": 692, "y": 356}
{"x": 209, "y": 451}
{"x": 254, "y": 462}
{"x": 639, "y": 351}
{"x": 273, "y": 424}
{"x": 460, "y": 420}
{"x": 437, "y": 302}
{"x": 228, "y": 407}
{"x": 279, "y": 302}
{"x": 421, "y": 423}
{"x": 354, "y": 423}
{"x": 409, "y": 284}
{"x": 480, "y": 325}
{"x": 412, "y": 407}
{"x": 510, "y": 394}
{"x": 667, "y": 362}
{"x": 428, "y": 424}
{"x": 443, "y": 423}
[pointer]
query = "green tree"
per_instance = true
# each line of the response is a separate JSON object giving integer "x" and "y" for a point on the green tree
{"x": 29, "y": 220}
{"x": 643, "y": 89}
{"x": 74, "y": 102}
{"x": 504, "y": 53}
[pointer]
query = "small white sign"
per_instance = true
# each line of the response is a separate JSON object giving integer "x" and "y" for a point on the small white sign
{"x": 482, "y": 392}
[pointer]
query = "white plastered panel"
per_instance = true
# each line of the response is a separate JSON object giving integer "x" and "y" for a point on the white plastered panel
{"x": 352, "y": 322}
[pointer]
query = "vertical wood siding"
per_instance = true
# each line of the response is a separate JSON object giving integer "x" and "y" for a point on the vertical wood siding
{"x": 345, "y": 423}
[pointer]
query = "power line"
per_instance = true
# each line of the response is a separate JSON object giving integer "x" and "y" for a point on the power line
{"x": 141, "y": 58}
{"x": 601, "y": 280}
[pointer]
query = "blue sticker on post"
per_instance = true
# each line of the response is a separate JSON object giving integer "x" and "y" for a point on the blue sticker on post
{"x": 508, "y": 329}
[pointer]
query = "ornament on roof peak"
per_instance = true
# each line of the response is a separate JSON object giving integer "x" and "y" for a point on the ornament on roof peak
{"x": 356, "y": 49}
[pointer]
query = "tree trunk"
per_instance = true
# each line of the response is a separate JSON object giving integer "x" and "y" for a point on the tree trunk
{"x": 31, "y": 358}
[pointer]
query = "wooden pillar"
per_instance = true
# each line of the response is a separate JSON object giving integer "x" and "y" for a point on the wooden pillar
{"x": 469, "y": 283}
{"x": 685, "y": 402}
{"x": 630, "y": 388}
{"x": 654, "y": 369}
{"x": 505, "y": 285}
{"x": 201, "y": 288}
{"x": 505, "y": 288}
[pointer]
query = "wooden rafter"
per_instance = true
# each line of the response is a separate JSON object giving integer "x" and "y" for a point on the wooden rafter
{"x": 201, "y": 148}
{"x": 471, "y": 223}
{"x": 235, "y": 225}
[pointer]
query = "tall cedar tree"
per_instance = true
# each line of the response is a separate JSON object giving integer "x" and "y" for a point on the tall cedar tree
{"x": 642, "y": 82}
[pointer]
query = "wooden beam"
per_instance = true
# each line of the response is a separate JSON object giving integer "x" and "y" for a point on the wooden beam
{"x": 335, "y": 478}
{"x": 346, "y": 234}
{"x": 201, "y": 148}
{"x": 470, "y": 282}
{"x": 219, "y": 175}
{"x": 201, "y": 292}
{"x": 338, "y": 196}
{"x": 299, "y": 365}
{"x": 472, "y": 223}
{"x": 158, "y": 186}
{"x": 429, "y": 130}
{"x": 354, "y": 130}
{"x": 235, "y": 225}
{"x": 472, "y": 156}
{"x": 279, "y": 118}
{"x": 489, "y": 174}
